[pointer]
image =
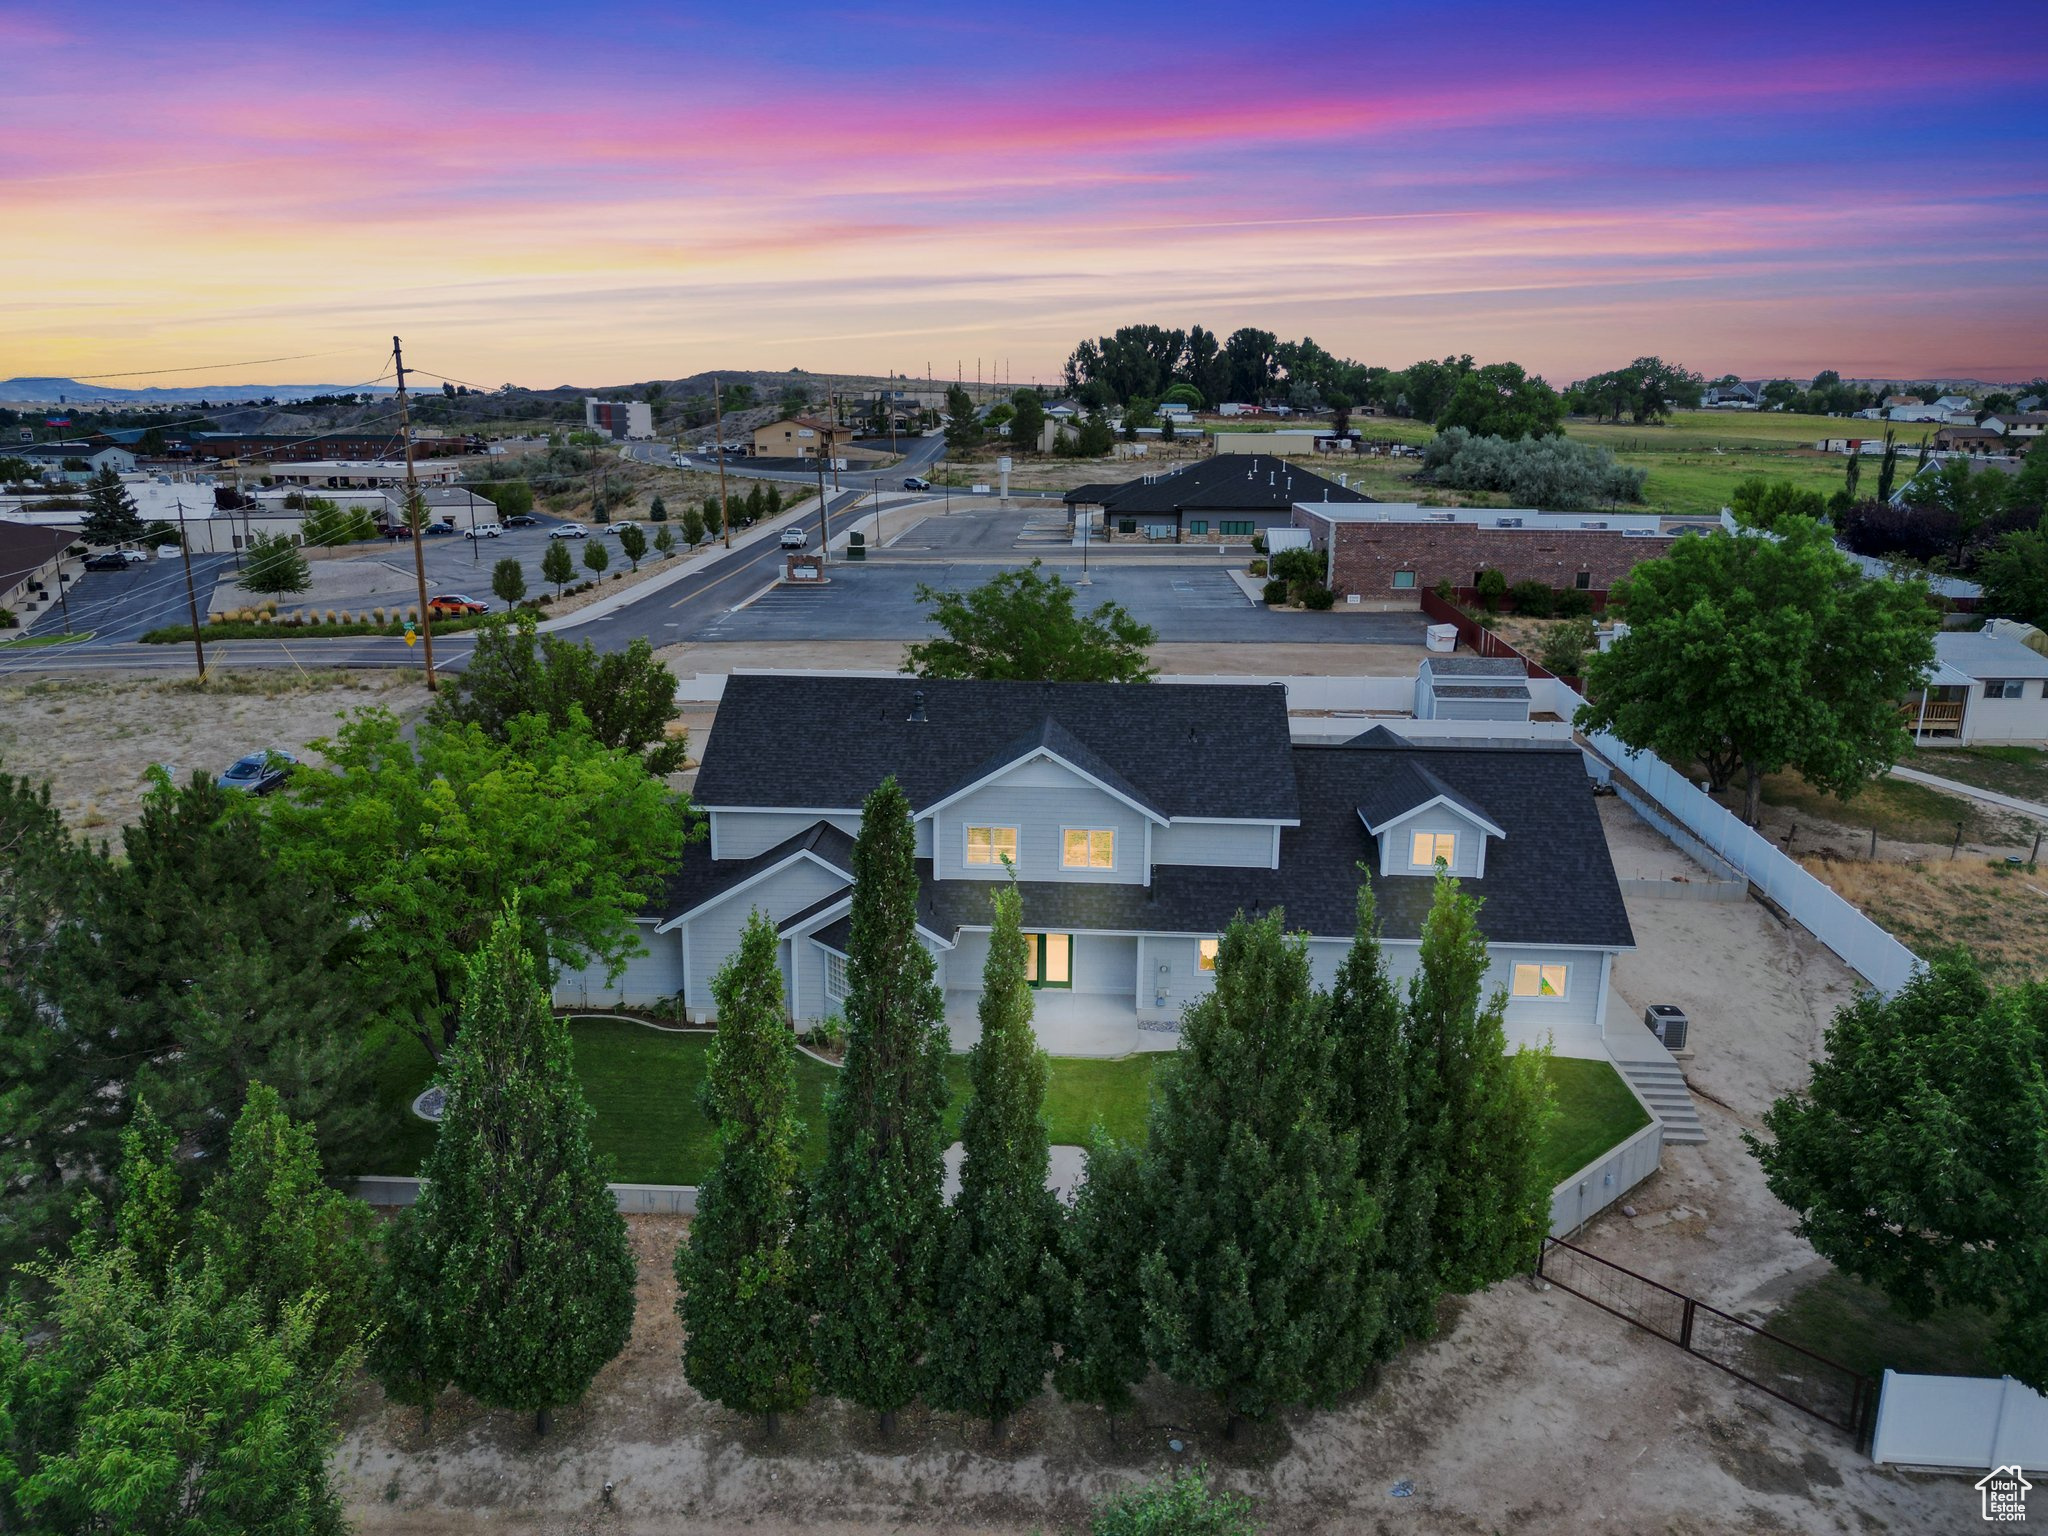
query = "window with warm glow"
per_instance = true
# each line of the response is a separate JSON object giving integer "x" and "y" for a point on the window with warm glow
{"x": 1208, "y": 959}
{"x": 1540, "y": 980}
{"x": 1430, "y": 848}
{"x": 1049, "y": 959}
{"x": 1088, "y": 848}
{"x": 991, "y": 845}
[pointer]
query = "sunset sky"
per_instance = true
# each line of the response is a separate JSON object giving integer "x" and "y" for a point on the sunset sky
{"x": 610, "y": 193}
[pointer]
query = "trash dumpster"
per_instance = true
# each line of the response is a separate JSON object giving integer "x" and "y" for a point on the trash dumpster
{"x": 856, "y": 545}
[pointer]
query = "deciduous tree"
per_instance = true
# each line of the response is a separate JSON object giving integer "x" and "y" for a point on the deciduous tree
{"x": 527, "y": 1269}
{"x": 1914, "y": 1160}
{"x": 275, "y": 566}
{"x": 557, "y": 566}
{"x": 1750, "y": 652}
{"x": 508, "y": 583}
{"x": 1021, "y": 624}
{"x": 596, "y": 557}
{"x": 743, "y": 1290}
{"x": 1500, "y": 400}
{"x": 876, "y": 1218}
{"x": 991, "y": 1340}
{"x": 633, "y": 543}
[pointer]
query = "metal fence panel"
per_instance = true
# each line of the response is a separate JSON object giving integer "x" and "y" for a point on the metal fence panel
{"x": 1865, "y": 947}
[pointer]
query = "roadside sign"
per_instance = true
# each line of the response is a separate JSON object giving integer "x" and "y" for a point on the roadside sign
{"x": 411, "y": 634}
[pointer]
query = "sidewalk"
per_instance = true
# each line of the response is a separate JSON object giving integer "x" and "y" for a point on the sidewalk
{"x": 1971, "y": 791}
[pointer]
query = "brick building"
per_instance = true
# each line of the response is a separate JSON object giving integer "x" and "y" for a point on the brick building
{"x": 1389, "y": 550}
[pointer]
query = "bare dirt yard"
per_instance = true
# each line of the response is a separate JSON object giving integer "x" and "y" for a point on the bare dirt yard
{"x": 1531, "y": 1412}
{"x": 95, "y": 736}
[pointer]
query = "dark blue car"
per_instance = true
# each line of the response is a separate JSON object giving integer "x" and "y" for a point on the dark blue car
{"x": 258, "y": 773}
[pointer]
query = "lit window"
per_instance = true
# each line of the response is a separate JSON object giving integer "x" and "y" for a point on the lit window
{"x": 991, "y": 845}
{"x": 1088, "y": 848}
{"x": 1208, "y": 958}
{"x": 1403, "y": 580}
{"x": 1049, "y": 959}
{"x": 1431, "y": 848}
{"x": 1540, "y": 980}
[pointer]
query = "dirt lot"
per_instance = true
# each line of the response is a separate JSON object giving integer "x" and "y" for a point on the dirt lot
{"x": 1532, "y": 1412}
{"x": 95, "y": 737}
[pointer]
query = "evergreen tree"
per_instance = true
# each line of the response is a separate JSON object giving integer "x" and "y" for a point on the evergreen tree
{"x": 556, "y": 566}
{"x": 1101, "y": 1312}
{"x": 1369, "y": 1097}
{"x": 523, "y": 1256}
{"x": 693, "y": 527}
{"x": 714, "y": 517}
{"x": 664, "y": 541}
{"x": 755, "y": 505}
{"x": 991, "y": 1342}
{"x": 1262, "y": 1220}
{"x": 1482, "y": 1112}
{"x": 657, "y": 511}
{"x": 739, "y": 1271}
{"x": 111, "y": 517}
{"x": 774, "y": 499}
{"x": 876, "y": 1214}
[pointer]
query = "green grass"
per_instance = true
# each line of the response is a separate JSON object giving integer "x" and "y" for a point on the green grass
{"x": 2020, "y": 771}
{"x": 1853, "y": 1323}
{"x": 642, "y": 1083}
{"x": 31, "y": 642}
{"x": 1595, "y": 1111}
{"x": 1899, "y": 809}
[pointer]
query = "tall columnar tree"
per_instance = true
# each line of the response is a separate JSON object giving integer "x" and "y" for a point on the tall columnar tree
{"x": 876, "y": 1216}
{"x": 527, "y": 1269}
{"x": 1915, "y": 1157}
{"x": 1369, "y": 1089}
{"x": 991, "y": 1341}
{"x": 1100, "y": 1314}
{"x": 1481, "y": 1115}
{"x": 1263, "y": 1223}
{"x": 111, "y": 517}
{"x": 743, "y": 1294}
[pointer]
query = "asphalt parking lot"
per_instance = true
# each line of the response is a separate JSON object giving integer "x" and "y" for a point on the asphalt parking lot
{"x": 878, "y": 601}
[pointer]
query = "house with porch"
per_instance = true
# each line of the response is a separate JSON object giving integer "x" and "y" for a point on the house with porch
{"x": 1989, "y": 687}
{"x": 1139, "y": 820}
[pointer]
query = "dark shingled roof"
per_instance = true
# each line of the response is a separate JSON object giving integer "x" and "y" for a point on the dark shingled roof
{"x": 698, "y": 877}
{"x": 1231, "y": 482}
{"x": 823, "y": 743}
{"x": 26, "y": 548}
{"x": 1406, "y": 784}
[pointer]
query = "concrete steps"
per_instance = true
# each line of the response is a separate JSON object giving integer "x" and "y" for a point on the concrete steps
{"x": 1662, "y": 1085}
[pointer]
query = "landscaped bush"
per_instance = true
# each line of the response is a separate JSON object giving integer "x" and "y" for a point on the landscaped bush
{"x": 1551, "y": 472}
{"x": 1492, "y": 586}
{"x": 1316, "y": 597}
{"x": 1565, "y": 646}
{"x": 1571, "y": 603}
{"x": 1275, "y": 593}
{"x": 1258, "y": 567}
{"x": 1533, "y": 599}
{"x": 1297, "y": 565}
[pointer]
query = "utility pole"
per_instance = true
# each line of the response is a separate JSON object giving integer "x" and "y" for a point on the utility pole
{"x": 824, "y": 517}
{"x": 413, "y": 516}
{"x": 191, "y": 597}
{"x": 724, "y": 511}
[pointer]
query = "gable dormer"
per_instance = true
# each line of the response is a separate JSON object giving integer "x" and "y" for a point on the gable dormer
{"x": 1419, "y": 821}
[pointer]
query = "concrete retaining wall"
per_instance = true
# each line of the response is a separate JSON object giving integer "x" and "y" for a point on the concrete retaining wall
{"x": 1606, "y": 1179}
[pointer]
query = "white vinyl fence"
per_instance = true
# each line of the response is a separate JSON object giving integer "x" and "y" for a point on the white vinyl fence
{"x": 1969, "y": 1422}
{"x": 1872, "y": 953}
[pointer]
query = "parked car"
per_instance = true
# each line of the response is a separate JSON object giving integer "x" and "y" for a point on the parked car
{"x": 440, "y": 530}
{"x": 135, "y": 556}
{"x": 169, "y": 551}
{"x": 795, "y": 537}
{"x": 569, "y": 531}
{"x": 913, "y": 483}
{"x": 615, "y": 527}
{"x": 482, "y": 531}
{"x": 109, "y": 560}
{"x": 259, "y": 772}
{"x": 445, "y": 603}
{"x": 522, "y": 520}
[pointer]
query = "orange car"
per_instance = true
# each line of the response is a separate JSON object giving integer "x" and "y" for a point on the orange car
{"x": 446, "y": 603}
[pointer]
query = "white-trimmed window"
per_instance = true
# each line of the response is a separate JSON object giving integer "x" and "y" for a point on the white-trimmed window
{"x": 1088, "y": 848}
{"x": 835, "y": 980}
{"x": 991, "y": 845}
{"x": 1426, "y": 848}
{"x": 2004, "y": 688}
{"x": 1206, "y": 960}
{"x": 1546, "y": 981}
{"x": 1404, "y": 581}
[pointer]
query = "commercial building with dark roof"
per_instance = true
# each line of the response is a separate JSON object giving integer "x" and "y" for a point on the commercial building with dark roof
{"x": 1211, "y": 501}
{"x": 1138, "y": 820}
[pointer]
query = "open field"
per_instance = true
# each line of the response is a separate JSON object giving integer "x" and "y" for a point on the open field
{"x": 1900, "y": 810}
{"x": 642, "y": 1083}
{"x": 95, "y": 738}
{"x": 2000, "y": 912}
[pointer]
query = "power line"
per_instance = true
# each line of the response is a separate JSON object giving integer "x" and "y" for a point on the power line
{"x": 254, "y": 362}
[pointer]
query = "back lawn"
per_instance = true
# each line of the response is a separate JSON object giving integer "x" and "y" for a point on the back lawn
{"x": 643, "y": 1085}
{"x": 2018, "y": 771}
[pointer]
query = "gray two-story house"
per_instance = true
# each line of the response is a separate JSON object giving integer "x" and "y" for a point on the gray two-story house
{"x": 1139, "y": 819}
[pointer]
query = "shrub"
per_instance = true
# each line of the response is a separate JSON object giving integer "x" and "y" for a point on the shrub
{"x": 1571, "y": 603}
{"x": 1533, "y": 599}
{"x": 7, "y": 618}
{"x": 377, "y": 615}
{"x": 1258, "y": 567}
{"x": 1492, "y": 586}
{"x": 1179, "y": 1504}
{"x": 1445, "y": 590}
{"x": 1535, "y": 472}
{"x": 826, "y": 1034}
{"x": 1259, "y": 543}
{"x": 1297, "y": 565}
{"x": 1274, "y": 592}
{"x": 1565, "y": 647}
{"x": 1316, "y": 597}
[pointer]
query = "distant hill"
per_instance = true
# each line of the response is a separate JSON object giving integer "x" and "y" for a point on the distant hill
{"x": 43, "y": 391}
